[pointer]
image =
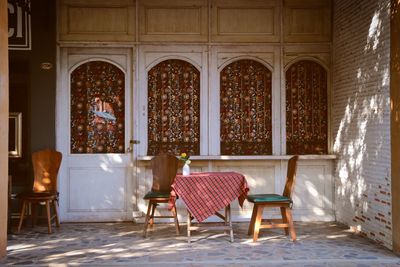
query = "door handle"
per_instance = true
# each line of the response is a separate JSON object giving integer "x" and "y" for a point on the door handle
{"x": 131, "y": 143}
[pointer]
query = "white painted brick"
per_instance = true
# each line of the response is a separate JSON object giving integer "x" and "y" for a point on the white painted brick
{"x": 361, "y": 135}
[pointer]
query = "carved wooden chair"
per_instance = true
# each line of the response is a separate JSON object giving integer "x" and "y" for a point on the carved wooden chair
{"x": 284, "y": 202}
{"x": 164, "y": 169}
{"x": 46, "y": 164}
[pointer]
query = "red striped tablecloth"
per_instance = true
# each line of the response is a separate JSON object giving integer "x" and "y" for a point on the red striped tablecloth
{"x": 205, "y": 193}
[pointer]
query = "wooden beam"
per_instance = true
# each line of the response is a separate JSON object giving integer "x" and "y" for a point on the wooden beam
{"x": 395, "y": 120}
{"x": 4, "y": 125}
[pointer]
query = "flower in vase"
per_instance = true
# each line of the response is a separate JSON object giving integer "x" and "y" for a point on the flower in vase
{"x": 185, "y": 158}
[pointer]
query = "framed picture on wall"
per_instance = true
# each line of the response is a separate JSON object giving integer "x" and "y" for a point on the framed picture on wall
{"x": 15, "y": 135}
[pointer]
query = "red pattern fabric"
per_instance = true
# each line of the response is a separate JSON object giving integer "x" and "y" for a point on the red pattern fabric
{"x": 208, "y": 192}
{"x": 174, "y": 108}
{"x": 246, "y": 108}
{"x": 97, "y": 108}
{"x": 306, "y": 109}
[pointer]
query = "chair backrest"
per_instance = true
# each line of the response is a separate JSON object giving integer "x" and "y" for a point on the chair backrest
{"x": 291, "y": 176}
{"x": 164, "y": 168}
{"x": 46, "y": 164}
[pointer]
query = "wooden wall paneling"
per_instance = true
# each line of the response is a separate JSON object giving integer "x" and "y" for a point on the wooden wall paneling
{"x": 320, "y": 52}
{"x": 395, "y": 121}
{"x": 101, "y": 20}
{"x": 307, "y": 21}
{"x": 180, "y": 20}
{"x": 245, "y": 21}
{"x": 4, "y": 126}
{"x": 313, "y": 191}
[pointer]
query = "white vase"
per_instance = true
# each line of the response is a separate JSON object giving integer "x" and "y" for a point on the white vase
{"x": 186, "y": 170}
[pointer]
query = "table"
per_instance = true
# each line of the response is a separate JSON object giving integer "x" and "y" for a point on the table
{"x": 206, "y": 193}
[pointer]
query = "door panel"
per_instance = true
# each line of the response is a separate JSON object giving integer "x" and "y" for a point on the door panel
{"x": 109, "y": 197}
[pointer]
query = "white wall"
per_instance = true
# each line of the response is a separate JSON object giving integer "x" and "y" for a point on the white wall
{"x": 361, "y": 116}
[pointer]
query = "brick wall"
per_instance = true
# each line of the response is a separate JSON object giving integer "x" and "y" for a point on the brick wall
{"x": 361, "y": 116}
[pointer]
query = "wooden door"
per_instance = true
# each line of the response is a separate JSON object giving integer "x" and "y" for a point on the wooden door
{"x": 93, "y": 133}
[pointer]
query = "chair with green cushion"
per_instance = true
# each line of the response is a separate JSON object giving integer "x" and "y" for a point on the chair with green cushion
{"x": 284, "y": 202}
{"x": 164, "y": 168}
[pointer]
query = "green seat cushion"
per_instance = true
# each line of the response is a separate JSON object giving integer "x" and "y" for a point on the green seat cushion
{"x": 259, "y": 198}
{"x": 153, "y": 194}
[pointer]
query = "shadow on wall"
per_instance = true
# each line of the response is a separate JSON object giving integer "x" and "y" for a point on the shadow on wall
{"x": 361, "y": 119}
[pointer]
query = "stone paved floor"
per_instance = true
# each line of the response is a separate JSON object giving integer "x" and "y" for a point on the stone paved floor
{"x": 122, "y": 244}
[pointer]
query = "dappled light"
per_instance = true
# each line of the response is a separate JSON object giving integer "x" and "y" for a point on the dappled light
{"x": 113, "y": 244}
{"x": 311, "y": 189}
{"x": 374, "y": 32}
{"x": 361, "y": 127}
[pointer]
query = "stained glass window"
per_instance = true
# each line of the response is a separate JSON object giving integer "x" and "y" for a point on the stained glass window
{"x": 97, "y": 108}
{"x": 174, "y": 108}
{"x": 245, "y": 107}
{"x": 306, "y": 109}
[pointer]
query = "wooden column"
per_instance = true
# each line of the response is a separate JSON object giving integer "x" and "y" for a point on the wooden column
{"x": 3, "y": 125}
{"x": 395, "y": 119}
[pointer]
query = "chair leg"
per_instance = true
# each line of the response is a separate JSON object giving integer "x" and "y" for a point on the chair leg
{"x": 154, "y": 205}
{"x": 252, "y": 221}
{"x": 290, "y": 222}
{"x": 146, "y": 221}
{"x": 55, "y": 213}
{"x": 48, "y": 216}
{"x": 284, "y": 220}
{"x": 257, "y": 222}
{"x": 21, "y": 216}
{"x": 174, "y": 212}
{"x": 34, "y": 212}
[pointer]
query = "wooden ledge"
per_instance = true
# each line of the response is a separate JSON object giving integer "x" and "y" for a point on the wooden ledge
{"x": 269, "y": 157}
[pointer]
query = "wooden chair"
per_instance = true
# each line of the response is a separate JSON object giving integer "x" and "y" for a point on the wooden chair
{"x": 284, "y": 202}
{"x": 46, "y": 164}
{"x": 164, "y": 169}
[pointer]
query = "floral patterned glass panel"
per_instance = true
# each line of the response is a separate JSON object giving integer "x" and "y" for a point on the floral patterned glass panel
{"x": 174, "y": 108}
{"x": 97, "y": 108}
{"x": 306, "y": 109}
{"x": 245, "y": 106}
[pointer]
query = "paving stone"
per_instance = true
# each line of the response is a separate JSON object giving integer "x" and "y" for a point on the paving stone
{"x": 122, "y": 244}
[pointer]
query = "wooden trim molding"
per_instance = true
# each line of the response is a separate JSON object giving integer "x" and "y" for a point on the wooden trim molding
{"x": 395, "y": 120}
{"x": 4, "y": 125}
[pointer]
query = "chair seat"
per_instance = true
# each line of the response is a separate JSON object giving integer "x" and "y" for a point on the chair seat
{"x": 153, "y": 194}
{"x": 37, "y": 195}
{"x": 261, "y": 198}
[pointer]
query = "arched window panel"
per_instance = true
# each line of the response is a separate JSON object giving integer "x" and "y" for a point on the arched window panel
{"x": 97, "y": 108}
{"x": 246, "y": 109}
{"x": 174, "y": 108}
{"x": 306, "y": 109}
